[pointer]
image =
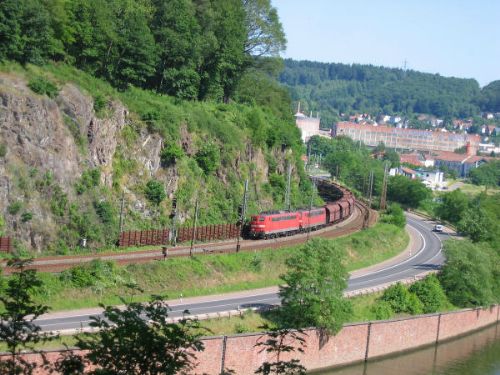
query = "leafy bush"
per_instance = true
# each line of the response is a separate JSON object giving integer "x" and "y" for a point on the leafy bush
{"x": 58, "y": 202}
{"x": 105, "y": 211}
{"x": 15, "y": 207}
{"x": 90, "y": 178}
{"x": 208, "y": 158}
{"x": 155, "y": 192}
{"x": 42, "y": 86}
{"x": 430, "y": 293}
{"x": 92, "y": 273}
{"x": 99, "y": 103}
{"x": 382, "y": 310}
{"x": 26, "y": 216}
{"x": 471, "y": 274}
{"x": 170, "y": 154}
{"x": 395, "y": 215}
{"x": 401, "y": 300}
{"x": 3, "y": 150}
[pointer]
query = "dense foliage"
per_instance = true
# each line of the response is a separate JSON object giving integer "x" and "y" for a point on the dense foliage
{"x": 188, "y": 49}
{"x": 314, "y": 284}
{"x": 349, "y": 161}
{"x": 471, "y": 275}
{"x": 408, "y": 192}
{"x": 477, "y": 217}
{"x": 333, "y": 88}
{"x": 487, "y": 174}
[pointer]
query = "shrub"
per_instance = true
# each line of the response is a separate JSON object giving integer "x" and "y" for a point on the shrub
{"x": 58, "y": 201}
{"x": 3, "y": 150}
{"x": 92, "y": 273}
{"x": 394, "y": 215}
{"x": 401, "y": 300}
{"x": 90, "y": 178}
{"x": 208, "y": 158}
{"x": 42, "y": 86}
{"x": 105, "y": 211}
{"x": 99, "y": 103}
{"x": 430, "y": 293}
{"x": 155, "y": 192}
{"x": 170, "y": 154}
{"x": 26, "y": 216}
{"x": 382, "y": 310}
{"x": 15, "y": 207}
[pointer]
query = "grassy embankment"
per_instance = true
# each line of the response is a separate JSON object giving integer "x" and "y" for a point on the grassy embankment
{"x": 203, "y": 275}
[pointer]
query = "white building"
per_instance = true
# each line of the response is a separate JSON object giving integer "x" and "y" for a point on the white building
{"x": 309, "y": 126}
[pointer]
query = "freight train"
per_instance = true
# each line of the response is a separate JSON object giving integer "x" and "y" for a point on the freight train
{"x": 272, "y": 224}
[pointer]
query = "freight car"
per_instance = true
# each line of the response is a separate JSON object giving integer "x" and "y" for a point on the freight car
{"x": 274, "y": 224}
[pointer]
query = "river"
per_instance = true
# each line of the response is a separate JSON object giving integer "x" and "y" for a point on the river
{"x": 474, "y": 354}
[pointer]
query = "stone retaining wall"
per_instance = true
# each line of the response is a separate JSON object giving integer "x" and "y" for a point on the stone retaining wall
{"x": 356, "y": 342}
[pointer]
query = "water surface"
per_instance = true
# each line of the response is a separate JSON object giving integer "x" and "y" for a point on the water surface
{"x": 475, "y": 354}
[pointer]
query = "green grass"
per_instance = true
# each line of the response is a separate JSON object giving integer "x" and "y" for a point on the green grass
{"x": 205, "y": 275}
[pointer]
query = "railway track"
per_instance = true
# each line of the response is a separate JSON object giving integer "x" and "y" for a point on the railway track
{"x": 352, "y": 224}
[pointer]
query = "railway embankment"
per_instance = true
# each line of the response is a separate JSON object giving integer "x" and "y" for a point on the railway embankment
{"x": 205, "y": 275}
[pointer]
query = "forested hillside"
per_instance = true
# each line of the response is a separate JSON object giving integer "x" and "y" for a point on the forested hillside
{"x": 104, "y": 102}
{"x": 340, "y": 88}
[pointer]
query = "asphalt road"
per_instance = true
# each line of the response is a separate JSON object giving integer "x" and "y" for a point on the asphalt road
{"x": 428, "y": 257}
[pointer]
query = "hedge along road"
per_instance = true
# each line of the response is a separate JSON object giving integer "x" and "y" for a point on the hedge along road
{"x": 424, "y": 254}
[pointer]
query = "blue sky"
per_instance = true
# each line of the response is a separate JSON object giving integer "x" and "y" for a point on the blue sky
{"x": 459, "y": 38}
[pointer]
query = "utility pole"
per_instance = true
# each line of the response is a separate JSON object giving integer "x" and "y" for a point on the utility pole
{"x": 173, "y": 230}
{"x": 242, "y": 209}
{"x": 309, "y": 213}
{"x": 122, "y": 205}
{"x": 193, "y": 236}
{"x": 370, "y": 190}
{"x": 288, "y": 185}
{"x": 383, "y": 197}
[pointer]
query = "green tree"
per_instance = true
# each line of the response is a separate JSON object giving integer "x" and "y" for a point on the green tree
{"x": 178, "y": 41}
{"x": 140, "y": 340}
{"x": 277, "y": 342}
{"x": 18, "y": 314}
{"x": 314, "y": 283}
{"x": 476, "y": 224}
{"x": 155, "y": 192}
{"x": 265, "y": 35}
{"x": 467, "y": 276}
{"x": 453, "y": 206}
{"x": 430, "y": 293}
{"x": 487, "y": 174}
{"x": 408, "y": 192}
{"x": 392, "y": 157}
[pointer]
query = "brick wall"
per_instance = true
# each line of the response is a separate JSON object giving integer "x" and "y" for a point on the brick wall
{"x": 356, "y": 342}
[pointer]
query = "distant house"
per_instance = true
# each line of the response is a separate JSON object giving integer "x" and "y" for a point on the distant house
{"x": 408, "y": 172}
{"x": 462, "y": 164}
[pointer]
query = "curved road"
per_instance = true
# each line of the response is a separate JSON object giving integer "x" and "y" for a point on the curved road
{"x": 428, "y": 257}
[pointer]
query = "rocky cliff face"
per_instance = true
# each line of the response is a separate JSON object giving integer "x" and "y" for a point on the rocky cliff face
{"x": 51, "y": 143}
{"x": 59, "y": 138}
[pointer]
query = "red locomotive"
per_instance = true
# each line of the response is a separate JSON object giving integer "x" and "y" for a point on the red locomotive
{"x": 273, "y": 224}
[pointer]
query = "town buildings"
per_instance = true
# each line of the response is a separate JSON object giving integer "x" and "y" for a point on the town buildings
{"x": 410, "y": 139}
